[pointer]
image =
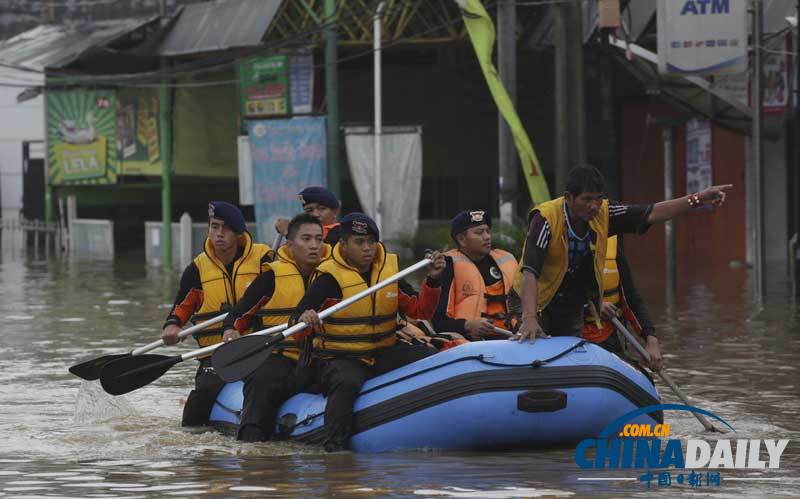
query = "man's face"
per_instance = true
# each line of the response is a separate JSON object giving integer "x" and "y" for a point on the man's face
{"x": 584, "y": 206}
{"x": 359, "y": 250}
{"x": 306, "y": 245}
{"x": 476, "y": 240}
{"x": 221, "y": 236}
{"x": 326, "y": 214}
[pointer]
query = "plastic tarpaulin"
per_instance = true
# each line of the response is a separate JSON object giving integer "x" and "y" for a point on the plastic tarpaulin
{"x": 287, "y": 156}
{"x": 401, "y": 176}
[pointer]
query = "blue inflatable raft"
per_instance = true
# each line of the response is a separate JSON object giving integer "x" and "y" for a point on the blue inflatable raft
{"x": 480, "y": 395}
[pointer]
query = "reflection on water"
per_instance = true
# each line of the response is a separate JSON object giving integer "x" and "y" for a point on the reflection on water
{"x": 63, "y": 437}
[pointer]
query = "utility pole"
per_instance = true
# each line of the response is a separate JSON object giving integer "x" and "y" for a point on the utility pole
{"x": 165, "y": 119}
{"x": 796, "y": 104}
{"x": 570, "y": 113}
{"x": 378, "y": 131}
{"x": 669, "y": 226}
{"x": 757, "y": 145}
{"x": 332, "y": 96}
{"x": 508, "y": 160}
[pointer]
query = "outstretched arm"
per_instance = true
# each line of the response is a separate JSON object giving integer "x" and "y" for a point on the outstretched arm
{"x": 667, "y": 210}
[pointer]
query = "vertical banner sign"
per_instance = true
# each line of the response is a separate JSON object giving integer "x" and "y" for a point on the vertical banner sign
{"x": 301, "y": 82}
{"x": 776, "y": 82}
{"x": 264, "y": 86}
{"x": 81, "y": 137}
{"x": 287, "y": 156}
{"x": 702, "y": 36}
{"x": 481, "y": 33}
{"x": 137, "y": 134}
{"x": 698, "y": 155}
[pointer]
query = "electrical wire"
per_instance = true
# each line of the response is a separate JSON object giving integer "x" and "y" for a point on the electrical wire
{"x": 157, "y": 76}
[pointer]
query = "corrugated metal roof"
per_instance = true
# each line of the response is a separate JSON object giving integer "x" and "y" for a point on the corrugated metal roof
{"x": 219, "y": 25}
{"x": 51, "y": 45}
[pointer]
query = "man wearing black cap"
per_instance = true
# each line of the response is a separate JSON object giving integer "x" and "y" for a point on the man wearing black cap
{"x": 321, "y": 203}
{"x": 358, "y": 342}
{"x": 211, "y": 285}
{"x": 476, "y": 282}
{"x": 272, "y": 297}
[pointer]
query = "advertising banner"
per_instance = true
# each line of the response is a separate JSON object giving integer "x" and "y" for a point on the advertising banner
{"x": 698, "y": 155}
{"x": 287, "y": 156}
{"x": 80, "y": 131}
{"x": 137, "y": 135}
{"x": 264, "y": 86}
{"x": 702, "y": 36}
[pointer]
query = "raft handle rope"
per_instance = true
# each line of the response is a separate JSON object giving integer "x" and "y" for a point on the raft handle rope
{"x": 480, "y": 358}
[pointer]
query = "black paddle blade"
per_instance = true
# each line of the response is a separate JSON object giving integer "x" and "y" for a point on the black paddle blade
{"x": 128, "y": 374}
{"x": 90, "y": 370}
{"x": 236, "y": 359}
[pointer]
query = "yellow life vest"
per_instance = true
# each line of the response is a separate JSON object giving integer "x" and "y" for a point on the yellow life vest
{"x": 289, "y": 290}
{"x": 222, "y": 290}
{"x": 367, "y": 325}
{"x": 470, "y": 298}
{"x": 611, "y": 294}
{"x": 557, "y": 260}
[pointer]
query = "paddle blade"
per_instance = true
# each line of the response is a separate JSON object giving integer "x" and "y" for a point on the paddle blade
{"x": 128, "y": 374}
{"x": 90, "y": 370}
{"x": 236, "y": 359}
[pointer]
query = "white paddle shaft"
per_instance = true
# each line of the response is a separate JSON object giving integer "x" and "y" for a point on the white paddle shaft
{"x": 183, "y": 334}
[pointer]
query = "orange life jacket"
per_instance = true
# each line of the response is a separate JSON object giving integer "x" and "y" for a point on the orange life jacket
{"x": 471, "y": 299}
{"x": 613, "y": 294}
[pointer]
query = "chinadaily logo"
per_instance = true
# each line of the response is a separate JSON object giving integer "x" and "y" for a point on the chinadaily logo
{"x": 633, "y": 443}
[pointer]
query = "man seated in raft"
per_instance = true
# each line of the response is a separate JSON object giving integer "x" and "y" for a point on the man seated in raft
{"x": 321, "y": 203}
{"x": 269, "y": 301}
{"x": 620, "y": 300}
{"x": 359, "y": 342}
{"x": 210, "y": 286}
{"x": 476, "y": 282}
{"x": 564, "y": 254}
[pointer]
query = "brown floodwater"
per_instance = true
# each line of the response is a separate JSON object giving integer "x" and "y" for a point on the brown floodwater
{"x": 64, "y": 437}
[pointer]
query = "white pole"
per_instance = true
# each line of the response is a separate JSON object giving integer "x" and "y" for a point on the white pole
{"x": 376, "y": 45}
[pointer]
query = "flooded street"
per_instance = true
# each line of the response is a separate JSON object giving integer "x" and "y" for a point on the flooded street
{"x": 64, "y": 437}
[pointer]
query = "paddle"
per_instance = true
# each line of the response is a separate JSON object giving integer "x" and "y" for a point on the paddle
{"x": 90, "y": 370}
{"x": 236, "y": 359}
{"x": 131, "y": 373}
{"x": 667, "y": 379}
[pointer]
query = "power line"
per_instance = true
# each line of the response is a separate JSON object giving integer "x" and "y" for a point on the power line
{"x": 208, "y": 65}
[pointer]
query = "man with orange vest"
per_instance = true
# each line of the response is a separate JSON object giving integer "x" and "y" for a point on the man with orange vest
{"x": 210, "y": 286}
{"x": 270, "y": 301}
{"x": 620, "y": 300}
{"x": 359, "y": 342}
{"x": 323, "y": 204}
{"x": 476, "y": 281}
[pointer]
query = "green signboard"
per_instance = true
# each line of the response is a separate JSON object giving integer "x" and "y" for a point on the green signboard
{"x": 138, "y": 145}
{"x": 81, "y": 137}
{"x": 264, "y": 86}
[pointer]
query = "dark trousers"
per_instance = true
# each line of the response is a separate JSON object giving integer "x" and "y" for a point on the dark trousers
{"x": 207, "y": 386}
{"x": 562, "y": 320}
{"x": 265, "y": 390}
{"x": 341, "y": 381}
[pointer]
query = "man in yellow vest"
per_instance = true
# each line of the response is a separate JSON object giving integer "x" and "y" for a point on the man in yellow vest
{"x": 321, "y": 203}
{"x": 621, "y": 300}
{"x": 565, "y": 250}
{"x": 358, "y": 342}
{"x": 211, "y": 285}
{"x": 270, "y": 301}
{"x": 476, "y": 282}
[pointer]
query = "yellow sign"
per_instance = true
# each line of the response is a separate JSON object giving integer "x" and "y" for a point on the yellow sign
{"x": 82, "y": 161}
